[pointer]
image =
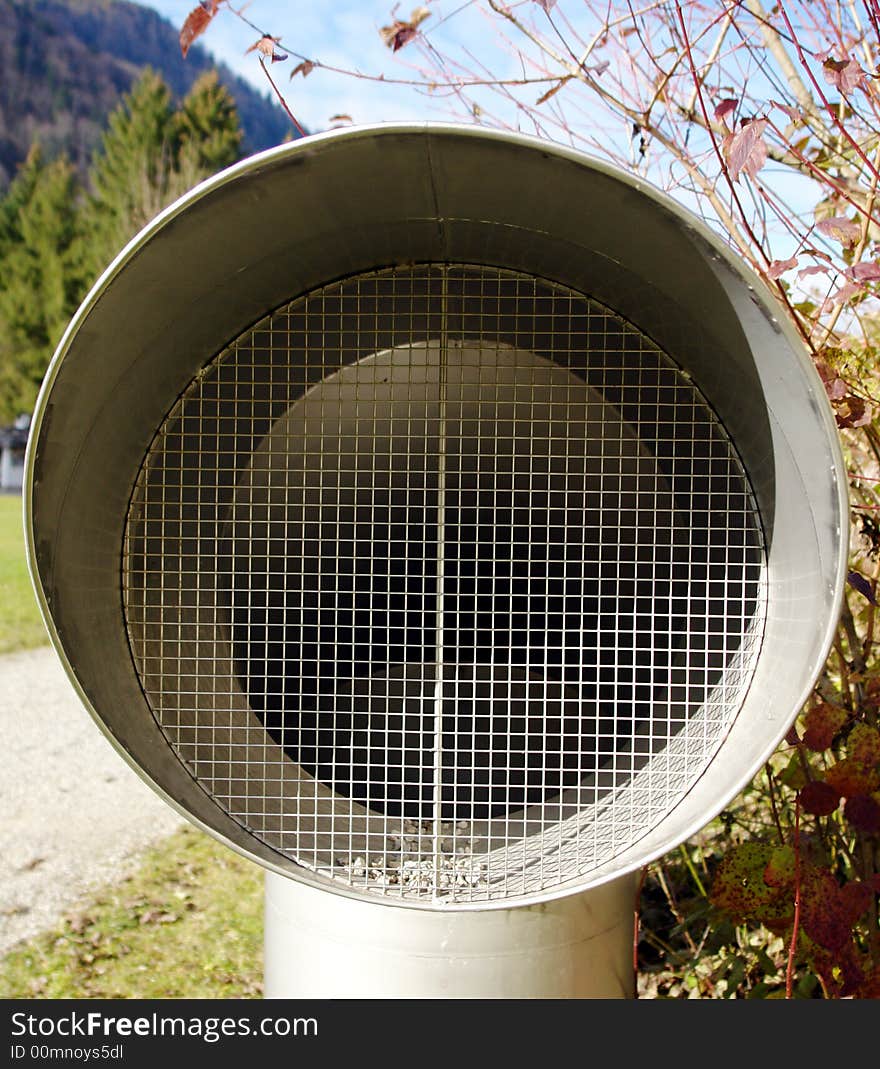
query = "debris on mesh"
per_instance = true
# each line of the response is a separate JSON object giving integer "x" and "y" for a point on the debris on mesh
{"x": 409, "y": 864}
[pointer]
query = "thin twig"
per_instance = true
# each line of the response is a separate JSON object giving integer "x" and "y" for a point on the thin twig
{"x": 795, "y": 929}
{"x": 753, "y": 237}
{"x": 829, "y": 107}
{"x": 673, "y": 905}
{"x": 281, "y": 99}
{"x": 772, "y": 793}
{"x": 637, "y": 913}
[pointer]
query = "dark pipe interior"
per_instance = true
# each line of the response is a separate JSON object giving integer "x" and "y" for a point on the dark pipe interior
{"x": 563, "y": 590}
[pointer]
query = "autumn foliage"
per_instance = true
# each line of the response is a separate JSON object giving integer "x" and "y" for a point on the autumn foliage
{"x": 197, "y": 21}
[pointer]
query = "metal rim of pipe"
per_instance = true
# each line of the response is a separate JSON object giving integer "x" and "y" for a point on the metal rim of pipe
{"x": 213, "y": 266}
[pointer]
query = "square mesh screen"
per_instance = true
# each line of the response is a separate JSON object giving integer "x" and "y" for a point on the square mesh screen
{"x": 444, "y": 582}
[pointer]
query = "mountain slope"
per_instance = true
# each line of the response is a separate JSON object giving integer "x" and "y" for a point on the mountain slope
{"x": 65, "y": 63}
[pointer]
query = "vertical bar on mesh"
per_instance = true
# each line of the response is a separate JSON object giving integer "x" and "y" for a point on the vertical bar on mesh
{"x": 436, "y": 831}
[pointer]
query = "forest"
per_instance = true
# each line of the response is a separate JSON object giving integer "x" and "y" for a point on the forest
{"x": 59, "y": 231}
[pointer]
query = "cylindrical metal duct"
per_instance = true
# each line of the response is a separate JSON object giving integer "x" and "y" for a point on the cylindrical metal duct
{"x": 326, "y": 946}
{"x": 438, "y": 517}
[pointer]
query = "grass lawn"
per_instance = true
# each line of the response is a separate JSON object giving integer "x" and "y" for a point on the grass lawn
{"x": 187, "y": 924}
{"x": 20, "y": 624}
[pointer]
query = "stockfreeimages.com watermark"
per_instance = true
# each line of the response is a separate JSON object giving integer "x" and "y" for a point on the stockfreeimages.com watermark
{"x": 96, "y": 1025}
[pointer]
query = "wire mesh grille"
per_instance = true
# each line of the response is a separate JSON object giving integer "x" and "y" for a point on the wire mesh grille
{"x": 444, "y": 582}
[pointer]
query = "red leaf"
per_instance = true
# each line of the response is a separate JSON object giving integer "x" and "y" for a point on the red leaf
{"x": 863, "y": 813}
{"x": 816, "y": 269}
{"x": 835, "y": 386}
{"x": 781, "y": 868}
{"x": 745, "y": 151}
{"x": 821, "y": 724}
{"x": 197, "y": 21}
{"x": 864, "y": 272}
{"x": 841, "y": 229}
{"x": 842, "y": 972}
{"x": 265, "y": 46}
{"x": 791, "y": 112}
{"x": 819, "y": 798}
{"x": 819, "y": 253}
{"x": 846, "y": 292}
{"x": 305, "y": 68}
{"x": 823, "y": 910}
{"x": 837, "y": 390}
{"x": 725, "y": 108}
{"x": 850, "y": 777}
{"x": 863, "y": 743}
{"x": 400, "y": 32}
{"x": 779, "y": 267}
{"x": 739, "y": 886}
{"x": 852, "y": 411}
{"x": 845, "y": 74}
{"x": 403, "y": 35}
{"x": 854, "y": 897}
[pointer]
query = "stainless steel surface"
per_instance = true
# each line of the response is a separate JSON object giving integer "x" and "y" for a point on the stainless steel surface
{"x": 434, "y": 577}
{"x": 327, "y": 946}
{"x": 155, "y": 332}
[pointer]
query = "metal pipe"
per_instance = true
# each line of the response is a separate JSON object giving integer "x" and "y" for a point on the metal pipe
{"x": 326, "y": 946}
{"x": 640, "y": 466}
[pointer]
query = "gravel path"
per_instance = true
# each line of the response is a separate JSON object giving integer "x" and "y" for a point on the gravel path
{"x": 73, "y": 815}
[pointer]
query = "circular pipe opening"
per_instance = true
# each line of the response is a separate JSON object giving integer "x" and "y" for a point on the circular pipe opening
{"x": 439, "y": 564}
{"x": 443, "y": 553}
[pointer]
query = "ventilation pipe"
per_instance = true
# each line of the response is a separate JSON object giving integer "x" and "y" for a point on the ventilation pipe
{"x": 448, "y": 523}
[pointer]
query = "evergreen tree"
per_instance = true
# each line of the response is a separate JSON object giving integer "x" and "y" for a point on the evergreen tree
{"x": 129, "y": 176}
{"x": 54, "y": 242}
{"x": 209, "y": 133}
{"x": 152, "y": 154}
{"x": 41, "y": 267}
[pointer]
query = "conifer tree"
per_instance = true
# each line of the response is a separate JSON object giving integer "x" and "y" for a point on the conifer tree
{"x": 41, "y": 265}
{"x": 54, "y": 241}
{"x": 209, "y": 133}
{"x": 129, "y": 176}
{"x": 151, "y": 154}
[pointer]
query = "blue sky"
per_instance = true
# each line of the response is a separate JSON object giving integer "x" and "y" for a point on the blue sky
{"x": 345, "y": 34}
{"x": 342, "y": 33}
